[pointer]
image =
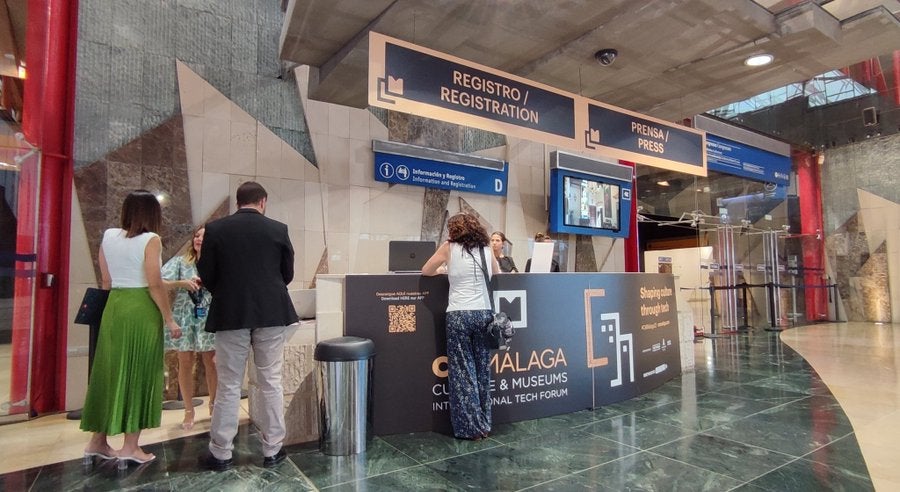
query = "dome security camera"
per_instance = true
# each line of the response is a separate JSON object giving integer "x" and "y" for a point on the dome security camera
{"x": 606, "y": 57}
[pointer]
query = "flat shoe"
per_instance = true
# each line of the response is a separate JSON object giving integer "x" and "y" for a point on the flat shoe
{"x": 124, "y": 460}
{"x": 91, "y": 454}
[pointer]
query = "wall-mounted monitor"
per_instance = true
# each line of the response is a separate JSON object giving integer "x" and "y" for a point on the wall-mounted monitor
{"x": 589, "y": 197}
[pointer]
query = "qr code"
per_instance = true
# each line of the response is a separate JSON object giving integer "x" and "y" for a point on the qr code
{"x": 401, "y": 318}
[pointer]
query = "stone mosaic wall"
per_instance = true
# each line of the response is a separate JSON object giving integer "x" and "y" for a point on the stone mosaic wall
{"x": 861, "y": 203}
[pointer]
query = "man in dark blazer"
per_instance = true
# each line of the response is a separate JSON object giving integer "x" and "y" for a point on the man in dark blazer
{"x": 246, "y": 262}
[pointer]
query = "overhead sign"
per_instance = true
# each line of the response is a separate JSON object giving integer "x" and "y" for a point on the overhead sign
{"x": 730, "y": 157}
{"x": 415, "y": 171}
{"x": 413, "y": 79}
{"x": 635, "y": 137}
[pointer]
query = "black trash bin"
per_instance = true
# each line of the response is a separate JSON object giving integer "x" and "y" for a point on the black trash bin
{"x": 345, "y": 371}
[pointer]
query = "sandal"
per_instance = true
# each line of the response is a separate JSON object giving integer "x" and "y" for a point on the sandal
{"x": 188, "y": 422}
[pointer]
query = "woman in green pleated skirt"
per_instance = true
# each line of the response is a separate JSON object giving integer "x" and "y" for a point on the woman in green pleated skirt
{"x": 126, "y": 383}
{"x": 124, "y": 393}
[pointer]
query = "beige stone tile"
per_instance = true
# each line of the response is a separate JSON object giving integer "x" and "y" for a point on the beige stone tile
{"x": 292, "y": 198}
{"x": 215, "y": 187}
{"x": 337, "y": 211}
{"x": 397, "y": 213}
{"x": 301, "y": 76}
{"x": 317, "y": 113}
{"x": 301, "y": 274}
{"x": 377, "y": 130}
{"x": 313, "y": 247}
{"x": 338, "y": 121}
{"x": 362, "y": 164}
{"x": 336, "y": 169}
{"x": 193, "y": 141}
{"x": 359, "y": 209}
{"x": 268, "y": 152}
{"x": 215, "y": 105}
{"x": 329, "y": 325}
{"x": 81, "y": 264}
{"x": 314, "y": 208}
{"x": 338, "y": 252}
{"x": 293, "y": 165}
{"x": 190, "y": 90}
{"x": 242, "y": 147}
{"x": 238, "y": 115}
{"x": 359, "y": 124}
{"x": 371, "y": 256}
{"x": 77, "y": 375}
{"x": 216, "y": 145}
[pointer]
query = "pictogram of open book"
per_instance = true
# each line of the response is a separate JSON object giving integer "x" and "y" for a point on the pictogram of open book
{"x": 392, "y": 86}
{"x": 591, "y": 136}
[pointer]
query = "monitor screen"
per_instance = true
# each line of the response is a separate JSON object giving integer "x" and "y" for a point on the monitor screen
{"x": 589, "y": 203}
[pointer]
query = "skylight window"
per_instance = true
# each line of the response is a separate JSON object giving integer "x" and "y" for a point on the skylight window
{"x": 830, "y": 87}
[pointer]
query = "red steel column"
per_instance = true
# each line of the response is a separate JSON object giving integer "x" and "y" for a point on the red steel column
{"x": 809, "y": 192}
{"x": 48, "y": 124}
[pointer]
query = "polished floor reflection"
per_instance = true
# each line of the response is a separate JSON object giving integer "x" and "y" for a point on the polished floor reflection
{"x": 754, "y": 416}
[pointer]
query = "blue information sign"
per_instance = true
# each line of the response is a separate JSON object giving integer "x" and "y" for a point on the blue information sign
{"x": 415, "y": 171}
{"x": 730, "y": 157}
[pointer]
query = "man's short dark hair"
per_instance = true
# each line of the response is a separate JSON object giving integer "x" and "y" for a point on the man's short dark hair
{"x": 250, "y": 192}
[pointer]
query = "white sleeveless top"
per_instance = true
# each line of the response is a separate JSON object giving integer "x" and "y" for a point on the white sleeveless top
{"x": 467, "y": 289}
{"x": 125, "y": 257}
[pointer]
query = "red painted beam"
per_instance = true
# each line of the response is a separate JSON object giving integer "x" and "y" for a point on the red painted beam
{"x": 809, "y": 193}
{"x": 896, "y": 66}
{"x": 48, "y": 117}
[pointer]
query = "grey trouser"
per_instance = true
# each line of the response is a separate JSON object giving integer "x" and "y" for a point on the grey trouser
{"x": 232, "y": 350}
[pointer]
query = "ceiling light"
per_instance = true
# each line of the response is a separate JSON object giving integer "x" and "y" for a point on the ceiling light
{"x": 759, "y": 60}
{"x": 663, "y": 183}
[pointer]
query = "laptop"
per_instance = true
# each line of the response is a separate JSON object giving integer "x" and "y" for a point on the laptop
{"x": 409, "y": 256}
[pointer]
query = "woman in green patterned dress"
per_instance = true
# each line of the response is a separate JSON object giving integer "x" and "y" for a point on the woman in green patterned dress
{"x": 190, "y": 307}
{"x": 124, "y": 392}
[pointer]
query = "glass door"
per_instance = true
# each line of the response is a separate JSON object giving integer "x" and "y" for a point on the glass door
{"x": 19, "y": 177}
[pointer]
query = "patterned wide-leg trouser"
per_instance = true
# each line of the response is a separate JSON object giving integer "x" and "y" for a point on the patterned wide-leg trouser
{"x": 470, "y": 374}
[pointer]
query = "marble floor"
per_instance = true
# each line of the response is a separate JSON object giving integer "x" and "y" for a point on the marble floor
{"x": 812, "y": 408}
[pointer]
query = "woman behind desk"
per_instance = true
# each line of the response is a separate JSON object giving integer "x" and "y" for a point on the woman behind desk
{"x": 468, "y": 311}
{"x": 543, "y": 238}
{"x": 507, "y": 265}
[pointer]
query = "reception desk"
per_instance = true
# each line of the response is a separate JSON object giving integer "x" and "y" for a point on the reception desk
{"x": 584, "y": 340}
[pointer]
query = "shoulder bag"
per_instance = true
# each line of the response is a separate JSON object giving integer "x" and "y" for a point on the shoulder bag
{"x": 499, "y": 330}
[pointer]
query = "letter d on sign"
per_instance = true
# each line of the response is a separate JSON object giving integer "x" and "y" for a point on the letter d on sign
{"x": 498, "y": 185}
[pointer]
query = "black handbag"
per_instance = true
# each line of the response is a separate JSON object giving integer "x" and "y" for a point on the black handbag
{"x": 499, "y": 330}
{"x": 92, "y": 306}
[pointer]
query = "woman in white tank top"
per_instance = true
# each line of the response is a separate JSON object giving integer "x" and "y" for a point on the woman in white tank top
{"x": 468, "y": 312}
{"x": 124, "y": 393}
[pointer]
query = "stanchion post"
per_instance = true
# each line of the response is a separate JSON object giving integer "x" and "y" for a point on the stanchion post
{"x": 746, "y": 324}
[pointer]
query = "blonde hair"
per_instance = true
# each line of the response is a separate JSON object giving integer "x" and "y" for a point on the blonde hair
{"x": 191, "y": 254}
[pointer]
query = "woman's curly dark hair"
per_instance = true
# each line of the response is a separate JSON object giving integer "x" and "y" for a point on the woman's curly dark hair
{"x": 466, "y": 231}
